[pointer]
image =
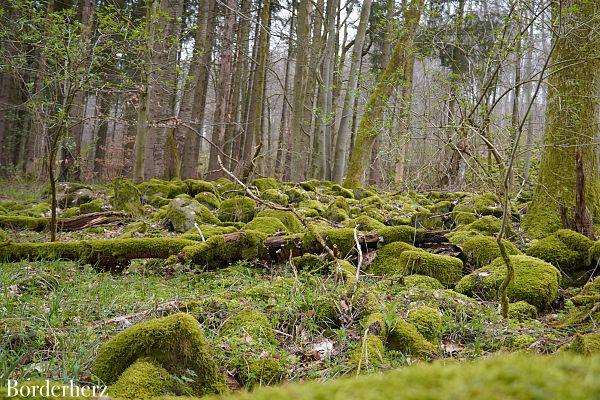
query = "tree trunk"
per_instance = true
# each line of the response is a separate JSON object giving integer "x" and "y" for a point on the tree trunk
{"x": 342, "y": 143}
{"x": 571, "y": 121}
{"x": 393, "y": 74}
{"x": 221, "y": 116}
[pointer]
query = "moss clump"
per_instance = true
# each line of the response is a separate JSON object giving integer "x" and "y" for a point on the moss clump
{"x": 565, "y": 249}
{"x": 268, "y": 225}
{"x": 249, "y": 324}
{"x": 482, "y": 250}
{"x": 288, "y": 218}
{"x": 428, "y": 322}
{"x": 488, "y": 225}
{"x": 142, "y": 380}
{"x": 196, "y": 186}
{"x": 338, "y": 190}
{"x": 92, "y": 207}
{"x": 175, "y": 342}
{"x": 22, "y": 222}
{"x": 162, "y": 188}
{"x": 446, "y": 269}
{"x": 422, "y": 282}
{"x": 521, "y": 311}
{"x": 275, "y": 196}
{"x": 313, "y": 205}
{"x": 521, "y": 342}
{"x": 387, "y": 260}
{"x": 208, "y": 199}
{"x": 374, "y": 324}
{"x": 338, "y": 210}
{"x": 585, "y": 344}
{"x": 182, "y": 214}
{"x": 535, "y": 281}
{"x": 126, "y": 197}
{"x": 296, "y": 195}
{"x": 401, "y": 233}
{"x": 216, "y": 250}
{"x": 341, "y": 239}
{"x": 264, "y": 370}
{"x": 586, "y": 313}
{"x": 308, "y": 262}
{"x": 237, "y": 209}
{"x": 405, "y": 337}
{"x": 370, "y": 354}
{"x": 263, "y": 184}
{"x": 365, "y": 223}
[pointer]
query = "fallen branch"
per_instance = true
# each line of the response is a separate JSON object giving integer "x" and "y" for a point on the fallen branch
{"x": 40, "y": 224}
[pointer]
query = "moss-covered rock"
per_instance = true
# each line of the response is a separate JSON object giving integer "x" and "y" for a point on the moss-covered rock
{"x": 288, "y": 218}
{"x": 482, "y": 250}
{"x": 422, "y": 282}
{"x": 176, "y": 342}
{"x": 183, "y": 213}
{"x": 535, "y": 281}
{"x": 276, "y": 197}
{"x": 162, "y": 188}
{"x": 364, "y": 223}
{"x": 488, "y": 225}
{"x": 126, "y": 197}
{"x": 338, "y": 210}
{"x": 268, "y": 225}
{"x": 263, "y": 184}
{"x": 196, "y": 186}
{"x": 400, "y": 233}
{"x": 237, "y": 209}
{"x": 565, "y": 249}
{"x": 405, "y": 337}
{"x": 369, "y": 354}
{"x": 338, "y": 190}
{"x": 428, "y": 322}
{"x": 586, "y": 311}
{"x": 91, "y": 207}
{"x": 446, "y": 269}
{"x": 341, "y": 239}
{"x": 208, "y": 199}
{"x": 521, "y": 311}
{"x": 387, "y": 260}
{"x": 142, "y": 380}
{"x": 587, "y": 344}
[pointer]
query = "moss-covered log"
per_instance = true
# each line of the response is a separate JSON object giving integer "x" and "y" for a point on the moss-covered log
{"x": 40, "y": 224}
{"x": 111, "y": 254}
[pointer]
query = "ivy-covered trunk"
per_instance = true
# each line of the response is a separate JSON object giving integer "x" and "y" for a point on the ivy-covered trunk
{"x": 571, "y": 124}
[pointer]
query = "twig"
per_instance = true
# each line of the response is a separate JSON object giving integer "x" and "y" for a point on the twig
{"x": 199, "y": 231}
{"x": 360, "y": 258}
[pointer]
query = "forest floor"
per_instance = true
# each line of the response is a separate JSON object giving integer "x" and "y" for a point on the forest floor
{"x": 427, "y": 275}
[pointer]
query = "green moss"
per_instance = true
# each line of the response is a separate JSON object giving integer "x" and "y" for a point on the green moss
{"x": 162, "y": 188}
{"x": 92, "y": 207}
{"x": 216, "y": 251}
{"x": 586, "y": 313}
{"x": 482, "y": 250}
{"x": 196, "y": 186}
{"x": 308, "y": 262}
{"x": 428, "y": 322}
{"x": 345, "y": 270}
{"x": 268, "y": 225}
{"x": 182, "y": 213}
{"x": 176, "y": 342}
{"x": 208, "y": 199}
{"x": 338, "y": 190}
{"x": 487, "y": 225}
{"x": 405, "y": 337}
{"x": 288, "y": 218}
{"x": 275, "y": 196}
{"x": 370, "y": 354}
{"x": 387, "y": 260}
{"x": 565, "y": 249}
{"x": 338, "y": 210}
{"x": 309, "y": 186}
{"x": 126, "y": 197}
{"x": 587, "y": 344}
{"x": 446, "y": 269}
{"x": 364, "y": 223}
{"x": 400, "y": 233}
{"x": 535, "y": 281}
{"x": 341, "y": 239}
{"x": 361, "y": 193}
{"x": 422, "y": 282}
{"x": 157, "y": 201}
{"x": 142, "y": 380}
{"x": 22, "y": 222}
{"x": 296, "y": 195}
{"x": 237, "y": 209}
{"x": 521, "y": 342}
{"x": 314, "y": 205}
{"x": 263, "y": 184}
{"x": 374, "y": 324}
{"x": 521, "y": 311}
{"x": 251, "y": 324}
{"x": 264, "y": 370}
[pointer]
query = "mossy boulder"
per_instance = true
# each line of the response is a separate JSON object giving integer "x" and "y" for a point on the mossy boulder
{"x": 162, "y": 188}
{"x": 446, "y": 269}
{"x": 263, "y": 184}
{"x": 405, "y": 337}
{"x": 565, "y": 249}
{"x": 183, "y": 213}
{"x": 237, "y": 209}
{"x": 196, "y": 186}
{"x": 142, "y": 380}
{"x": 422, "y": 282}
{"x": 400, "y": 233}
{"x": 275, "y": 196}
{"x": 208, "y": 199}
{"x": 176, "y": 343}
{"x": 387, "y": 260}
{"x": 268, "y": 225}
{"x": 428, "y": 322}
{"x": 535, "y": 281}
{"x": 482, "y": 250}
{"x": 91, "y": 207}
{"x": 489, "y": 226}
{"x": 126, "y": 197}
{"x": 338, "y": 210}
{"x": 370, "y": 354}
{"x": 521, "y": 311}
{"x": 364, "y": 223}
{"x": 587, "y": 344}
{"x": 288, "y": 218}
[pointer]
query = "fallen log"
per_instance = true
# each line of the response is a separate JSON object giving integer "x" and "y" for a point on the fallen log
{"x": 216, "y": 251}
{"x": 79, "y": 222}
